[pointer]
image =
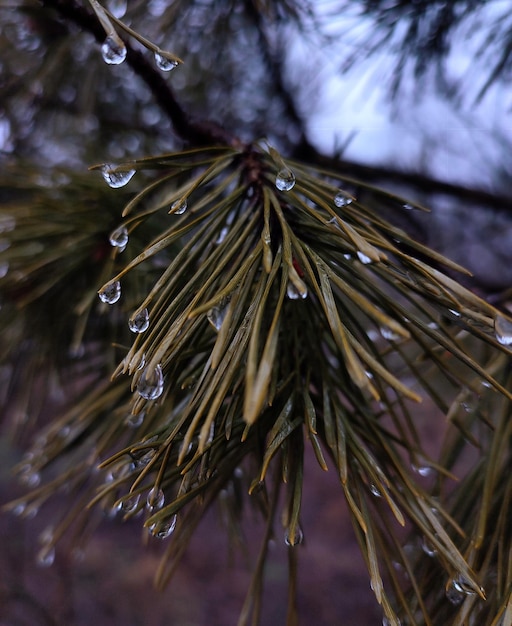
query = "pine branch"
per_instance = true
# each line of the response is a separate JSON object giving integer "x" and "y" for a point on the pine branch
{"x": 193, "y": 131}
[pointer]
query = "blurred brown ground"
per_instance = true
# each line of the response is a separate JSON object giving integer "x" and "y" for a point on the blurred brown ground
{"x": 113, "y": 582}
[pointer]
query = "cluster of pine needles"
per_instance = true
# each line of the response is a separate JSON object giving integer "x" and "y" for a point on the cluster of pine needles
{"x": 256, "y": 307}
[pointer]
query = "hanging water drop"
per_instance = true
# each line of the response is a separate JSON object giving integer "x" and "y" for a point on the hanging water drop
{"x": 293, "y": 539}
{"x": 375, "y": 491}
{"x": 285, "y": 179}
{"x": 163, "y": 529}
{"x": 116, "y": 179}
{"x": 407, "y": 206}
{"x": 295, "y": 292}
{"x": 422, "y": 470}
{"x": 19, "y": 509}
{"x": 46, "y": 556}
{"x": 217, "y": 314}
{"x": 130, "y": 503}
{"x": 363, "y": 258}
{"x": 389, "y": 334}
{"x": 179, "y": 206}
{"x": 145, "y": 459}
{"x": 117, "y": 8}
{"x": 29, "y": 477}
{"x": 113, "y": 50}
{"x": 151, "y": 384}
{"x": 341, "y": 199}
{"x": 461, "y": 584}
{"x": 503, "y": 330}
{"x": 139, "y": 322}
{"x": 134, "y": 421}
{"x": 110, "y": 293}
{"x": 164, "y": 63}
{"x": 155, "y": 499}
{"x": 119, "y": 237}
{"x": 222, "y": 235}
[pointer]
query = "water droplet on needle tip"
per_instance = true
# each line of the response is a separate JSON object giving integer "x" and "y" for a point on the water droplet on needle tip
{"x": 285, "y": 179}
{"x": 119, "y": 237}
{"x": 164, "y": 63}
{"x": 115, "y": 178}
{"x": 151, "y": 384}
{"x": 503, "y": 330}
{"x": 113, "y": 50}
{"x": 139, "y": 322}
{"x": 110, "y": 293}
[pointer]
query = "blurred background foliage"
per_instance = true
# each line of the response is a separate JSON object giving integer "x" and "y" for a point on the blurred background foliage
{"x": 298, "y": 303}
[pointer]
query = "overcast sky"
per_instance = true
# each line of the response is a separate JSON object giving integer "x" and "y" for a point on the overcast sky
{"x": 422, "y": 130}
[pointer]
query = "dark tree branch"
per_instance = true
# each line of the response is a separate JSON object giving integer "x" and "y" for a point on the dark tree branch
{"x": 190, "y": 130}
{"x": 203, "y": 132}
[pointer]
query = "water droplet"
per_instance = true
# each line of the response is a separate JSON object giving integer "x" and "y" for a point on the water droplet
{"x": 375, "y": 491}
{"x": 422, "y": 470}
{"x": 363, "y": 258}
{"x": 151, "y": 384}
{"x": 389, "y": 334}
{"x": 19, "y": 508}
{"x": 119, "y": 237}
{"x": 145, "y": 459}
{"x": 110, "y": 293}
{"x": 407, "y": 206}
{"x": 117, "y": 8}
{"x": 29, "y": 477}
{"x": 113, "y": 50}
{"x": 46, "y": 556}
{"x": 222, "y": 235}
{"x": 217, "y": 314}
{"x": 503, "y": 330}
{"x": 461, "y": 584}
{"x": 129, "y": 504}
{"x": 139, "y": 322}
{"x": 116, "y": 179}
{"x": 341, "y": 199}
{"x": 294, "y": 293}
{"x": 134, "y": 421}
{"x": 155, "y": 499}
{"x": 163, "y": 529}
{"x": 296, "y": 538}
{"x": 285, "y": 179}
{"x": 428, "y": 548}
{"x": 164, "y": 63}
{"x": 179, "y": 206}
{"x": 454, "y": 313}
